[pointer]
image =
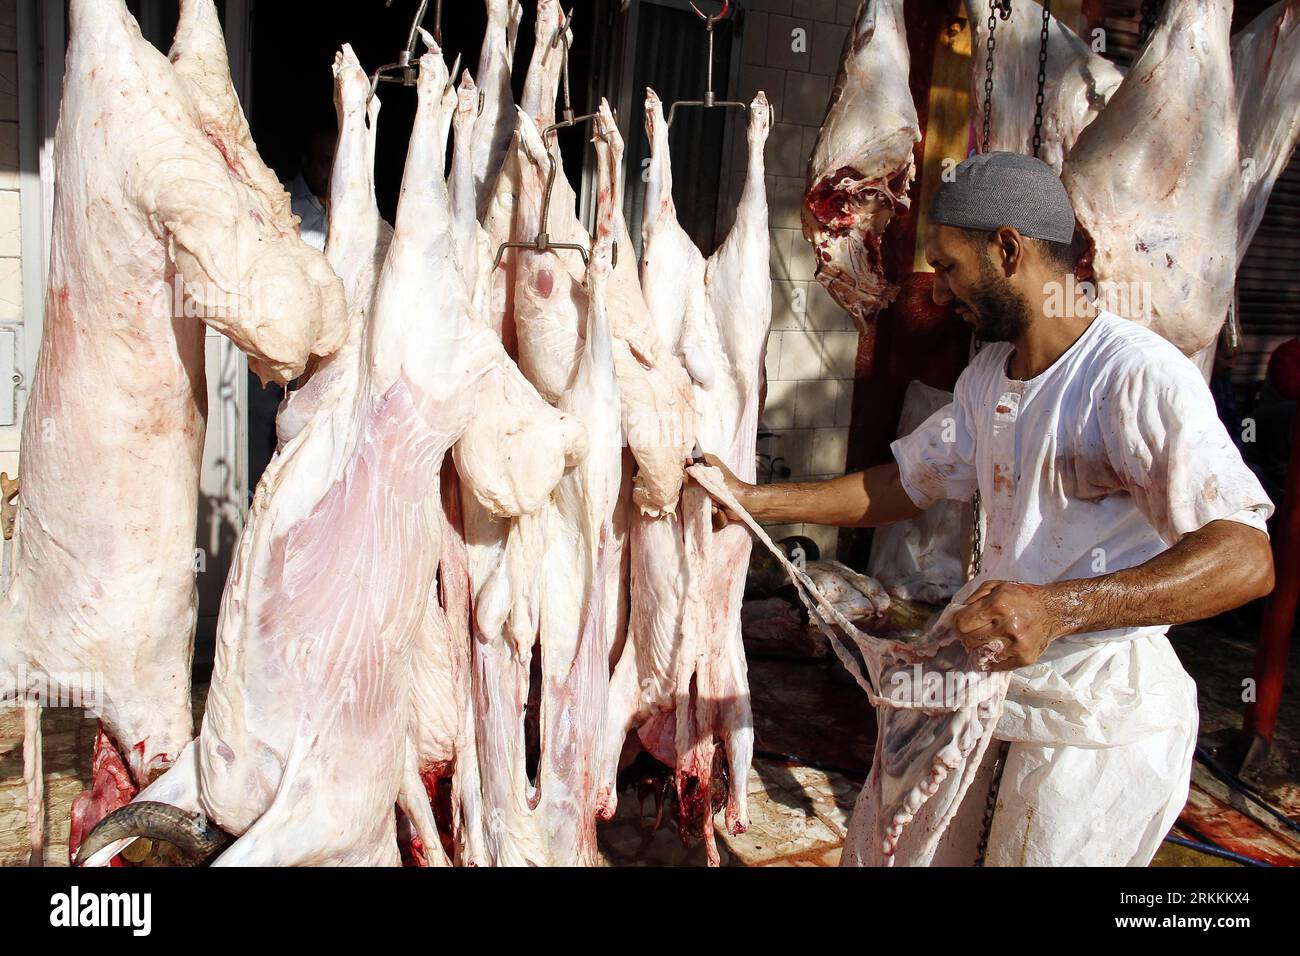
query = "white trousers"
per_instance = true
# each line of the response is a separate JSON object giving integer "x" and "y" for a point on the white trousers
{"x": 1067, "y": 797}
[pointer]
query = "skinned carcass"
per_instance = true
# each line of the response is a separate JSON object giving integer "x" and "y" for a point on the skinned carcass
{"x": 1147, "y": 179}
{"x": 165, "y": 221}
{"x": 936, "y": 709}
{"x": 356, "y": 243}
{"x": 491, "y": 137}
{"x": 553, "y": 315}
{"x": 307, "y": 742}
{"x": 1077, "y": 82}
{"x": 862, "y": 165}
{"x": 504, "y": 557}
{"x": 473, "y": 253}
{"x": 681, "y": 679}
{"x": 579, "y": 586}
{"x": 1266, "y": 72}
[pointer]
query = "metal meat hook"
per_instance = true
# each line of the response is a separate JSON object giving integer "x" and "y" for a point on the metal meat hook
{"x": 708, "y": 20}
{"x": 542, "y": 243}
{"x": 710, "y": 100}
{"x": 404, "y": 71}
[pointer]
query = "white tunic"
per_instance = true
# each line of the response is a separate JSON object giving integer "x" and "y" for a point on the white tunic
{"x": 1098, "y": 464}
{"x": 309, "y": 210}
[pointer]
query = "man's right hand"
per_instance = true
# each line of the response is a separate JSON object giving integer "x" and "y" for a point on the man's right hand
{"x": 863, "y": 499}
{"x": 722, "y": 515}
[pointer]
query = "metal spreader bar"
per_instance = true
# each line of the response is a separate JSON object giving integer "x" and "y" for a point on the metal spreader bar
{"x": 406, "y": 70}
{"x": 710, "y": 98}
{"x": 542, "y": 242}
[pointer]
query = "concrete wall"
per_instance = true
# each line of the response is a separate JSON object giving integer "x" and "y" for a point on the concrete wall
{"x": 11, "y": 280}
{"x": 791, "y": 49}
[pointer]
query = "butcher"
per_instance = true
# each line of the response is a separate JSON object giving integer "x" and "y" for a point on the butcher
{"x": 1116, "y": 505}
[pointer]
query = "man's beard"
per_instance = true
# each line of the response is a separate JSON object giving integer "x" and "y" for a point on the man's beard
{"x": 1001, "y": 314}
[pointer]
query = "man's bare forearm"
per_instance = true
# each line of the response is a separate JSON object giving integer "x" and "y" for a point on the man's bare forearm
{"x": 1222, "y": 566}
{"x": 863, "y": 499}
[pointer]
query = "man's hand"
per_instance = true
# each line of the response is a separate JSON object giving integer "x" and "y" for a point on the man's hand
{"x": 1014, "y": 623}
{"x": 722, "y": 516}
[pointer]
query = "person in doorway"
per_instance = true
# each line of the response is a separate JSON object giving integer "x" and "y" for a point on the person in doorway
{"x": 309, "y": 190}
{"x": 1116, "y": 505}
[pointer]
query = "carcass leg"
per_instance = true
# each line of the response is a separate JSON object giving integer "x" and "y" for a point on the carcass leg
{"x": 415, "y": 804}
{"x": 34, "y": 778}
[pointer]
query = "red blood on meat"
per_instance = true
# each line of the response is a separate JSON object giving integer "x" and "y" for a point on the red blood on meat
{"x": 828, "y": 201}
{"x": 111, "y": 788}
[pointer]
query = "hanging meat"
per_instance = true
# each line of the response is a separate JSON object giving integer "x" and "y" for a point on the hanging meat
{"x": 579, "y": 587}
{"x": 496, "y": 124}
{"x": 1146, "y": 179}
{"x": 165, "y": 221}
{"x": 356, "y": 244}
{"x": 1077, "y": 82}
{"x": 681, "y": 678}
{"x": 307, "y": 740}
{"x": 862, "y": 165}
{"x": 1266, "y": 71}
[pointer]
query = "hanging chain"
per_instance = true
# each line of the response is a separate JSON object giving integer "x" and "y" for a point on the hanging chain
{"x": 997, "y": 8}
{"x": 1149, "y": 11}
{"x": 1042, "y": 77}
{"x": 976, "y": 503}
{"x": 991, "y": 803}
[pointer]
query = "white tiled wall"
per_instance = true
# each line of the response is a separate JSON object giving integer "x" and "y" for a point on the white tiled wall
{"x": 11, "y": 282}
{"x": 813, "y": 344}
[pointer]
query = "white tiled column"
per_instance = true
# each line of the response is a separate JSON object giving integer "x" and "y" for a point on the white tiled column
{"x": 791, "y": 49}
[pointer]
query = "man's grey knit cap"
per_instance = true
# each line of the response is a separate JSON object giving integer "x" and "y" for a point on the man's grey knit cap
{"x": 990, "y": 190}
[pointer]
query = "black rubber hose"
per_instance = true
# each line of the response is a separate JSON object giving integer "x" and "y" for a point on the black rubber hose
{"x": 1236, "y": 783}
{"x": 1215, "y": 851}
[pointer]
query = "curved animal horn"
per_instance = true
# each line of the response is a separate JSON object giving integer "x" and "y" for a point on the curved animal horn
{"x": 191, "y": 833}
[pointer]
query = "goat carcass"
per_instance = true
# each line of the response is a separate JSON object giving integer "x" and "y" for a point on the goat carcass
{"x": 307, "y": 739}
{"x": 164, "y": 221}
{"x": 1147, "y": 178}
{"x": 1077, "y": 82}
{"x": 681, "y": 678}
{"x": 492, "y": 132}
{"x": 579, "y": 586}
{"x": 862, "y": 165}
{"x": 356, "y": 244}
{"x": 1266, "y": 70}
